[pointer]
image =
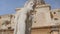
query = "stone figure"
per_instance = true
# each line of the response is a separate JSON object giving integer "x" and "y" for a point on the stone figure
{"x": 20, "y": 18}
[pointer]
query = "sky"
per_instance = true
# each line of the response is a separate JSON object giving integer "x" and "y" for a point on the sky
{"x": 9, "y": 6}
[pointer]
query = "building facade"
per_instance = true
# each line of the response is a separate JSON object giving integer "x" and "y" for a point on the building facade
{"x": 45, "y": 20}
{"x": 6, "y": 24}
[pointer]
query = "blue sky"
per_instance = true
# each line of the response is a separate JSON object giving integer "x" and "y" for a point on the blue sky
{"x": 8, "y": 6}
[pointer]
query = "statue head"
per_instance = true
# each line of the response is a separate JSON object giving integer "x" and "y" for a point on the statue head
{"x": 29, "y": 5}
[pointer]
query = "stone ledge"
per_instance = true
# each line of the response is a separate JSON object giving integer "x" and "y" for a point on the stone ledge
{"x": 43, "y": 5}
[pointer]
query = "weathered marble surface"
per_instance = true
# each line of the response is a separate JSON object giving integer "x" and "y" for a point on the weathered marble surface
{"x": 21, "y": 17}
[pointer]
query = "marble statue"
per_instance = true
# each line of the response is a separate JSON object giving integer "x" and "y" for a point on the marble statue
{"x": 21, "y": 17}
